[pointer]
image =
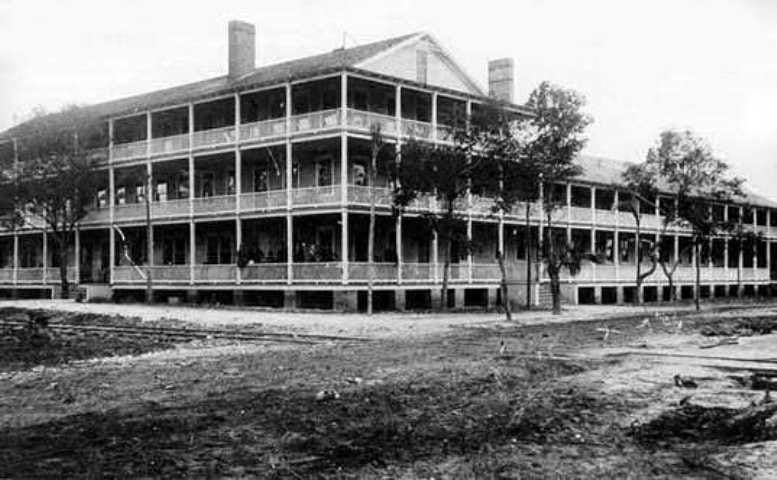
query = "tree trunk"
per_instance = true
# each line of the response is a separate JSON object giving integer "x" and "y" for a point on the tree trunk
{"x": 638, "y": 293}
{"x": 503, "y": 286}
{"x": 672, "y": 291}
{"x": 528, "y": 256}
{"x": 445, "y": 269}
{"x": 697, "y": 283}
{"x": 63, "y": 260}
{"x": 555, "y": 291}
{"x": 149, "y": 242}
{"x": 553, "y": 271}
{"x": 371, "y": 237}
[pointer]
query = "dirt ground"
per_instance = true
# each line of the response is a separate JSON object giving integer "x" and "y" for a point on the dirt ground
{"x": 470, "y": 397}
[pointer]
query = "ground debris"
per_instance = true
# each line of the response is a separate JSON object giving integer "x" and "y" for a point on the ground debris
{"x": 740, "y": 326}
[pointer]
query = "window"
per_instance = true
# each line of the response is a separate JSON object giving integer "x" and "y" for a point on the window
{"x": 206, "y": 184}
{"x": 174, "y": 251}
{"x": 324, "y": 172}
{"x": 230, "y": 182}
{"x": 626, "y": 247}
{"x": 359, "y": 174}
{"x": 665, "y": 204}
{"x": 102, "y": 198}
{"x": 161, "y": 191}
{"x": 604, "y": 199}
{"x": 581, "y": 240}
{"x": 718, "y": 212}
{"x": 624, "y": 201}
{"x": 261, "y": 183}
{"x": 733, "y": 253}
{"x": 748, "y": 248}
{"x": 183, "y": 185}
{"x": 140, "y": 193}
{"x": 581, "y": 197}
{"x": 647, "y": 206}
{"x": 718, "y": 252}
{"x": 558, "y": 193}
{"x": 605, "y": 242}
{"x": 685, "y": 245}
{"x": 773, "y": 218}
{"x": 647, "y": 243}
{"x": 218, "y": 249}
{"x": 733, "y": 213}
{"x": 747, "y": 215}
{"x": 760, "y": 217}
{"x": 666, "y": 253}
{"x": 761, "y": 254}
{"x": 121, "y": 196}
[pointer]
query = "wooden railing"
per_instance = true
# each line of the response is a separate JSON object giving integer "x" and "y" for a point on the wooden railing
{"x": 314, "y": 121}
{"x": 172, "y": 144}
{"x": 316, "y": 272}
{"x": 363, "y": 120}
{"x": 361, "y": 195}
{"x": 316, "y": 195}
{"x": 416, "y": 129}
{"x": 213, "y": 137}
{"x": 265, "y": 129}
{"x": 218, "y": 204}
{"x": 384, "y": 271}
{"x": 270, "y": 199}
{"x": 128, "y": 151}
{"x": 264, "y": 273}
{"x": 215, "y": 273}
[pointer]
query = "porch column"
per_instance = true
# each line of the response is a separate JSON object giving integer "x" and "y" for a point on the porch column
{"x": 398, "y": 151}
{"x": 344, "y": 201}
{"x": 15, "y": 257}
{"x": 469, "y": 207}
{"x": 111, "y": 232}
{"x": 615, "y": 246}
{"x": 192, "y": 249}
{"x": 289, "y": 218}
{"x": 435, "y": 273}
{"x": 150, "y": 232}
{"x": 77, "y": 255}
{"x": 434, "y": 117}
{"x": 238, "y": 182}
{"x": 593, "y": 237}
{"x": 398, "y": 236}
{"x": 740, "y": 260}
{"x": 45, "y": 255}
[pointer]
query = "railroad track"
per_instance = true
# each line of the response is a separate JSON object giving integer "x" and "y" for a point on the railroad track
{"x": 180, "y": 333}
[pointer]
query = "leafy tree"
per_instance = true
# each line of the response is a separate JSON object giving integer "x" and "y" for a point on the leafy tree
{"x": 556, "y": 138}
{"x": 54, "y": 184}
{"x": 505, "y": 175}
{"x": 694, "y": 176}
{"x": 443, "y": 172}
{"x": 640, "y": 183}
{"x": 376, "y": 146}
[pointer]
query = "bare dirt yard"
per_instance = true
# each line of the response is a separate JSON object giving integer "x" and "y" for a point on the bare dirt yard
{"x": 626, "y": 394}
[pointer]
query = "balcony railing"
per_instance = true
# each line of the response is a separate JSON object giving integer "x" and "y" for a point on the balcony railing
{"x": 444, "y": 133}
{"x": 316, "y": 272}
{"x": 420, "y": 272}
{"x": 265, "y": 129}
{"x": 457, "y": 272}
{"x": 129, "y": 211}
{"x": 270, "y": 199}
{"x": 486, "y": 271}
{"x": 128, "y": 151}
{"x": 384, "y": 272}
{"x": 316, "y": 195}
{"x": 482, "y": 205}
{"x": 221, "y": 203}
{"x": 361, "y": 195}
{"x": 215, "y": 273}
{"x": 605, "y": 272}
{"x": 170, "y": 208}
{"x": 53, "y": 275}
{"x": 165, "y": 145}
{"x": 30, "y": 275}
{"x": 214, "y": 137}
{"x": 362, "y": 120}
{"x": 170, "y": 273}
{"x": 6, "y": 275}
{"x": 314, "y": 121}
{"x": 97, "y": 215}
{"x": 264, "y": 273}
{"x": 605, "y": 217}
{"x": 416, "y": 129}
{"x": 128, "y": 274}
{"x": 580, "y": 215}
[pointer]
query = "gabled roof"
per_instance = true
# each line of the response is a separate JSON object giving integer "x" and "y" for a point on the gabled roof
{"x": 280, "y": 72}
{"x": 608, "y": 172}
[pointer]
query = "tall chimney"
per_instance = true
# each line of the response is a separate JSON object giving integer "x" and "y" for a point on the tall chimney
{"x": 501, "y": 79}
{"x": 242, "y": 48}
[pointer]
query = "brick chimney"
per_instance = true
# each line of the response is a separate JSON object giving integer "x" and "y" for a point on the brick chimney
{"x": 242, "y": 48}
{"x": 501, "y": 79}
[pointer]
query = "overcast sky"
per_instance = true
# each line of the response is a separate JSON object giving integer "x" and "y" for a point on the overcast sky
{"x": 708, "y": 65}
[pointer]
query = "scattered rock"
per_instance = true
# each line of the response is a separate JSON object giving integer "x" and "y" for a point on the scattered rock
{"x": 354, "y": 380}
{"x": 325, "y": 395}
